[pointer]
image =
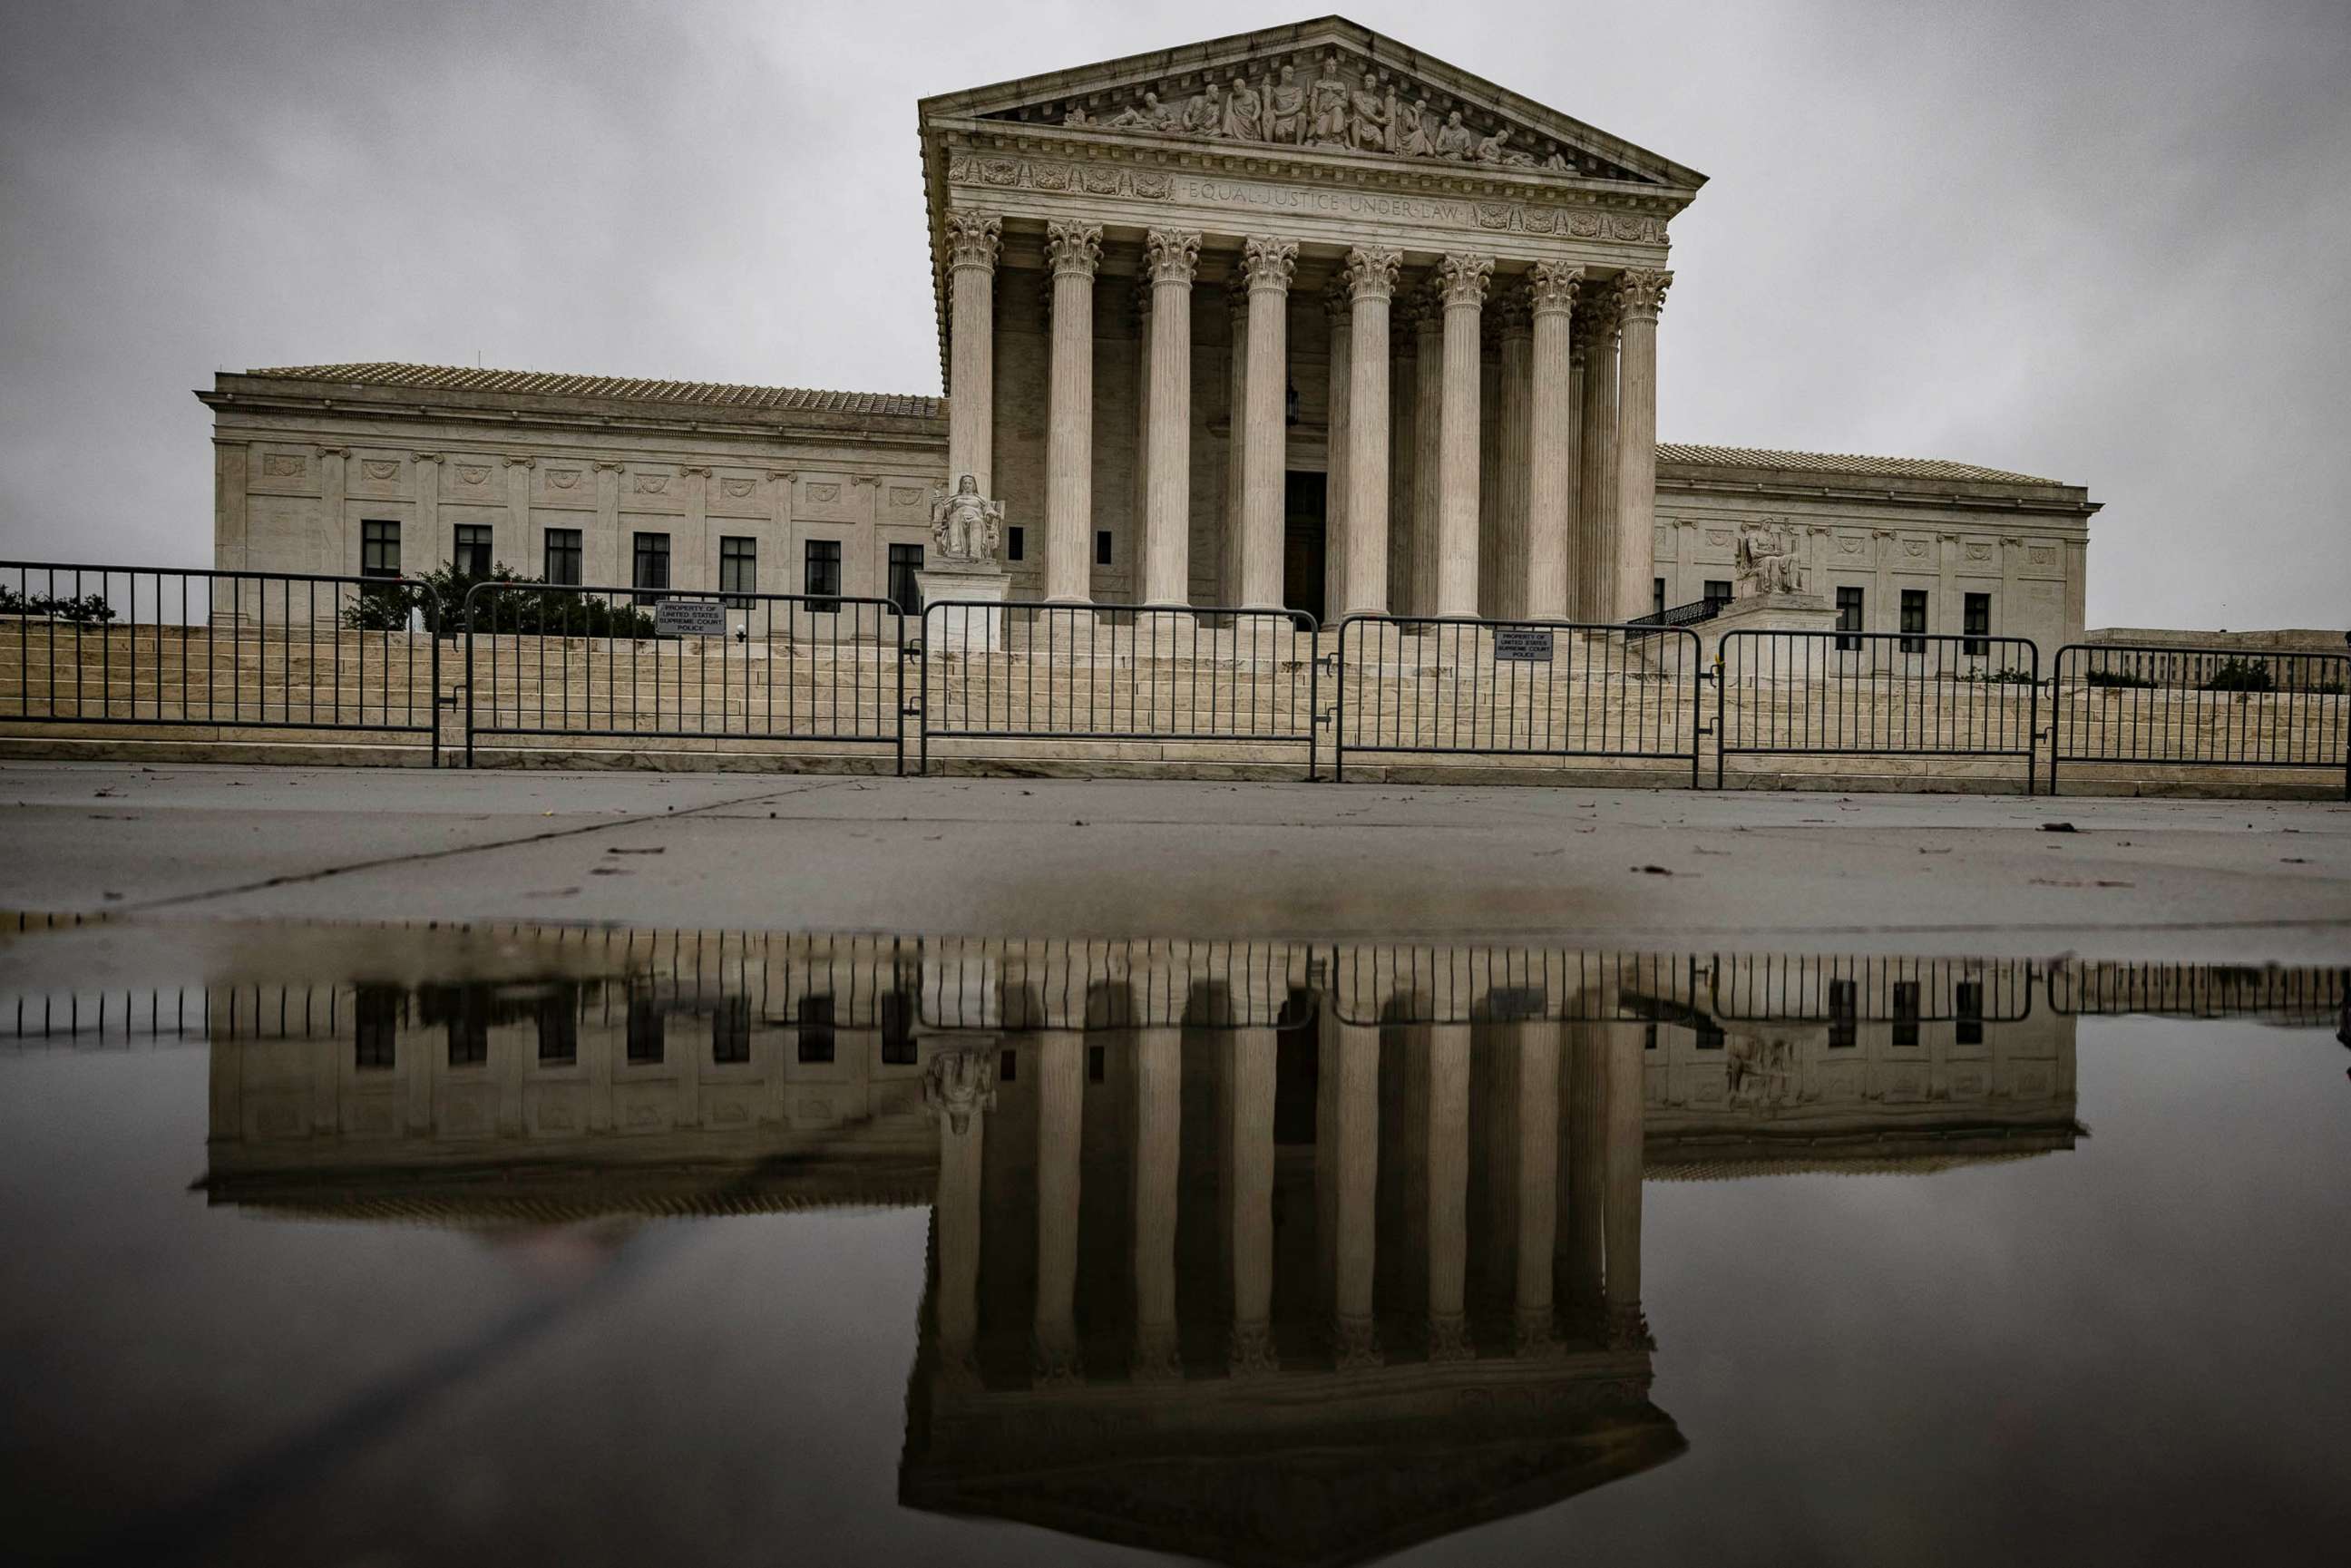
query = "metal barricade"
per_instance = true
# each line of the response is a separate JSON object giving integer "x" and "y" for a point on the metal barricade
{"x": 2199, "y": 707}
{"x": 180, "y": 647}
{"x": 1875, "y": 694}
{"x": 2314, "y": 995}
{"x": 1203, "y": 675}
{"x": 1456, "y": 686}
{"x": 682, "y": 666}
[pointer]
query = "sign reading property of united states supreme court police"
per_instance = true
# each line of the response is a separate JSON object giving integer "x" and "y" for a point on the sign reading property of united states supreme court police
{"x": 1522, "y": 645}
{"x": 689, "y": 618}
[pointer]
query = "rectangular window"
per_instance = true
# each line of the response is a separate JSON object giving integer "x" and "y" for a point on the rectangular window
{"x": 898, "y": 1028}
{"x": 648, "y": 566}
{"x": 730, "y": 1031}
{"x": 1971, "y": 1011}
{"x": 473, "y": 557}
{"x": 906, "y": 589}
{"x": 1905, "y": 1012}
{"x": 1976, "y": 610}
{"x": 559, "y": 1029}
{"x": 379, "y": 547}
{"x": 378, "y": 1010}
{"x": 647, "y": 1031}
{"x": 813, "y": 1017}
{"x": 739, "y": 567}
{"x": 1658, "y": 596}
{"x": 1008, "y": 1066}
{"x": 820, "y": 574}
{"x": 1097, "y": 1063}
{"x": 469, "y": 1030}
{"x": 1914, "y": 619}
{"x": 1845, "y": 1013}
{"x": 1101, "y": 546}
{"x": 563, "y": 557}
{"x": 1849, "y": 619}
{"x": 1718, "y": 593}
{"x": 1016, "y": 542}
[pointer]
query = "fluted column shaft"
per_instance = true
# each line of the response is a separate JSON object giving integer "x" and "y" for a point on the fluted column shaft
{"x": 1250, "y": 1075}
{"x": 1448, "y": 1182}
{"x": 1339, "y": 492}
{"x": 1587, "y": 1167}
{"x": 1640, "y": 295}
{"x": 1173, "y": 255}
{"x": 1403, "y": 381}
{"x": 961, "y": 1139}
{"x": 1229, "y": 533}
{"x": 1371, "y": 282}
{"x": 1428, "y": 436}
{"x": 1158, "y": 1148}
{"x": 1073, "y": 250}
{"x": 1358, "y": 1150}
{"x": 1595, "y": 585}
{"x": 1623, "y": 1128}
{"x": 1462, "y": 279}
{"x": 1513, "y": 454}
{"x": 1140, "y": 502}
{"x": 1551, "y": 440}
{"x": 1538, "y": 1175}
{"x": 1060, "y": 1111}
{"x": 973, "y": 239}
{"x": 1268, "y": 264}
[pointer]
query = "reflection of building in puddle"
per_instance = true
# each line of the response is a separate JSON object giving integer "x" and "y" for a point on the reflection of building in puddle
{"x": 1274, "y": 1251}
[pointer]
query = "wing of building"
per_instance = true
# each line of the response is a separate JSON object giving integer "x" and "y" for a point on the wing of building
{"x": 1300, "y": 317}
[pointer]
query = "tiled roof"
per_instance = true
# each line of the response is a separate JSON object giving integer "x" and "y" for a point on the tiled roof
{"x": 550, "y": 384}
{"x": 1842, "y": 463}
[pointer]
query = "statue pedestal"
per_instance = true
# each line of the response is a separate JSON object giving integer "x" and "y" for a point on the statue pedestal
{"x": 973, "y": 619}
{"x": 1765, "y": 613}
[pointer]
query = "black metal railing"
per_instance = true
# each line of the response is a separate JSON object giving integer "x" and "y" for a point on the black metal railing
{"x": 1875, "y": 694}
{"x": 179, "y": 647}
{"x": 1208, "y": 675}
{"x": 1454, "y": 686}
{"x": 1690, "y": 614}
{"x": 682, "y": 666}
{"x": 1857, "y": 988}
{"x": 2199, "y": 707}
{"x": 2315, "y": 994}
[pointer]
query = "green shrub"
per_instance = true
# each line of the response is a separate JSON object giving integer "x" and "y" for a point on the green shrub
{"x": 2118, "y": 678}
{"x": 2240, "y": 676}
{"x": 550, "y": 612}
{"x": 89, "y": 610}
{"x": 1999, "y": 678}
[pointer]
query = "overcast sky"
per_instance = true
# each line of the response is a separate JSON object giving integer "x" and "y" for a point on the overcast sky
{"x": 2106, "y": 242}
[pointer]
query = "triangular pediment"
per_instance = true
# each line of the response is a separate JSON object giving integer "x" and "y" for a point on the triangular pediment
{"x": 1322, "y": 87}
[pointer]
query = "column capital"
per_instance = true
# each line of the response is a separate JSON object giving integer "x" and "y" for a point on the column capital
{"x": 1268, "y": 263}
{"x": 425, "y": 457}
{"x": 1237, "y": 293}
{"x": 1514, "y": 313}
{"x": 1596, "y": 322}
{"x": 973, "y": 238}
{"x": 522, "y": 462}
{"x": 346, "y": 452}
{"x": 1551, "y": 288}
{"x": 1372, "y": 271}
{"x": 1174, "y": 255}
{"x": 603, "y": 464}
{"x": 1641, "y": 292}
{"x": 1336, "y": 304}
{"x": 696, "y": 471}
{"x": 959, "y": 1084}
{"x": 1461, "y": 280}
{"x": 1074, "y": 249}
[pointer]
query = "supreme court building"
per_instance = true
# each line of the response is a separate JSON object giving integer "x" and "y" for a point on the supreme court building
{"x": 1297, "y": 318}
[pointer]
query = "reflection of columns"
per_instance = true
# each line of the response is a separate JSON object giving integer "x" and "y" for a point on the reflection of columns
{"x": 1538, "y": 1178}
{"x": 1449, "y": 1190}
{"x": 959, "y": 1087}
{"x": 1249, "y": 1072}
{"x": 1463, "y": 280}
{"x": 1586, "y": 1167}
{"x": 1595, "y": 329}
{"x": 1228, "y": 532}
{"x": 1073, "y": 250}
{"x": 1158, "y": 1147}
{"x": 1338, "y": 511}
{"x": 1173, "y": 255}
{"x": 1515, "y": 453}
{"x": 972, "y": 241}
{"x": 1060, "y": 1111}
{"x": 1427, "y": 458}
{"x": 1640, "y": 295}
{"x": 1268, "y": 263}
{"x": 1550, "y": 441}
{"x": 1625, "y": 1072}
{"x": 1357, "y": 1147}
{"x": 1371, "y": 281}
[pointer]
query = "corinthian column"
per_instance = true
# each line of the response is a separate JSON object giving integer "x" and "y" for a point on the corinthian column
{"x": 1337, "y": 510}
{"x": 1173, "y": 255}
{"x": 972, "y": 241}
{"x": 1587, "y": 1169}
{"x": 1371, "y": 283}
{"x": 1551, "y": 440}
{"x": 1512, "y": 447}
{"x": 1267, "y": 264}
{"x": 1624, "y": 1116}
{"x": 1596, "y": 583}
{"x": 1428, "y": 437}
{"x": 1249, "y": 1075}
{"x": 1640, "y": 295}
{"x": 1228, "y": 565}
{"x": 1538, "y": 1174}
{"x": 1060, "y": 1111}
{"x": 959, "y": 1087}
{"x": 1449, "y": 1190}
{"x": 1159, "y": 1146}
{"x": 1074, "y": 250}
{"x": 1463, "y": 281}
{"x": 1357, "y": 1147}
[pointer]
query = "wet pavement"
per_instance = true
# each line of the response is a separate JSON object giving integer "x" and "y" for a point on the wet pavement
{"x": 487, "y": 1240}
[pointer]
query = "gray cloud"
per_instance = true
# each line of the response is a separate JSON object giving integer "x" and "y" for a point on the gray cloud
{"x": 2103, "y": 242}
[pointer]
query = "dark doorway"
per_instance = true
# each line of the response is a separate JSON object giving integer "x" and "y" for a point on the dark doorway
{"x": 1305, "y": 503}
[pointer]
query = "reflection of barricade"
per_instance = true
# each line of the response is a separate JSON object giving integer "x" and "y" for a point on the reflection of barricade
{"x": 2199, "y": 707}
{"x": 2309, "y": 995}
{"x": 1807, "y": 989}
{"x": 1452, "y": 686}
{"x": 225, "y": 651}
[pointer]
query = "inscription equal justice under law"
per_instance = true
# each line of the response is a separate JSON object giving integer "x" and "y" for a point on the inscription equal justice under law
{"x": 1338, "y": 204}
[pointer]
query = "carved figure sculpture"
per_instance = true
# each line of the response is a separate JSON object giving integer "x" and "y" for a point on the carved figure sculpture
{"x": 1767, "y": 560}
{"x": 1372, "y": 119}
{"x": 1329, "y": 107}
{"x": 1456, "y": 141}
{"x": 1415, "y": 129}
{"x": 1286, "y": 109}
{"x": 1205, "y": 115}
{"x": 958, "y": 1084}
{"x": 1245, "y": 112}
{"x": 965, "y": 526}
{"x": 1143, "y": 116}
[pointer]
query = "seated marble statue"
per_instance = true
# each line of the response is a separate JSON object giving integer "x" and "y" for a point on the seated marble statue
{"x": 964, "y": 526}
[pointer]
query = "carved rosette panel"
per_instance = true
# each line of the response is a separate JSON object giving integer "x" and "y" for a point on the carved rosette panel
{"x": 1551, "y": 288}
{"x": 1174, "y": 255}
{"x": 1462, "y": 279}
{"x": 1641, "y": 292}
{"x": 1268, "y": 263}
{"x": 1074, "y": 249}
{"x": 1372, "y": 271}
{"x": 973, "y": 238}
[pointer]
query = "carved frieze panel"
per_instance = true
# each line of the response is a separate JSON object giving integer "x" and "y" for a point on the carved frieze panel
{"x": 2043, "y": 555}
{"x": 1915, "y": 548}
{"x": 1852, "y": 544}
{"x": 652, "y": 484}
{"x": 284, "y": 466}
{"x": 824, "y": 492}
{"x": 737, "y": 489}
{"x": 1978, "y": 551}
{"x": 473, "y": 472}
{"x": 1719, "y": 538}
{"x": 378, "y": 468}
{"x": 563, "y": 478}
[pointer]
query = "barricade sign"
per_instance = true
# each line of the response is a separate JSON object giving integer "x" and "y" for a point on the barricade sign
{"x": 1521, "y": 646}
{"x": 689, "y": 618}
